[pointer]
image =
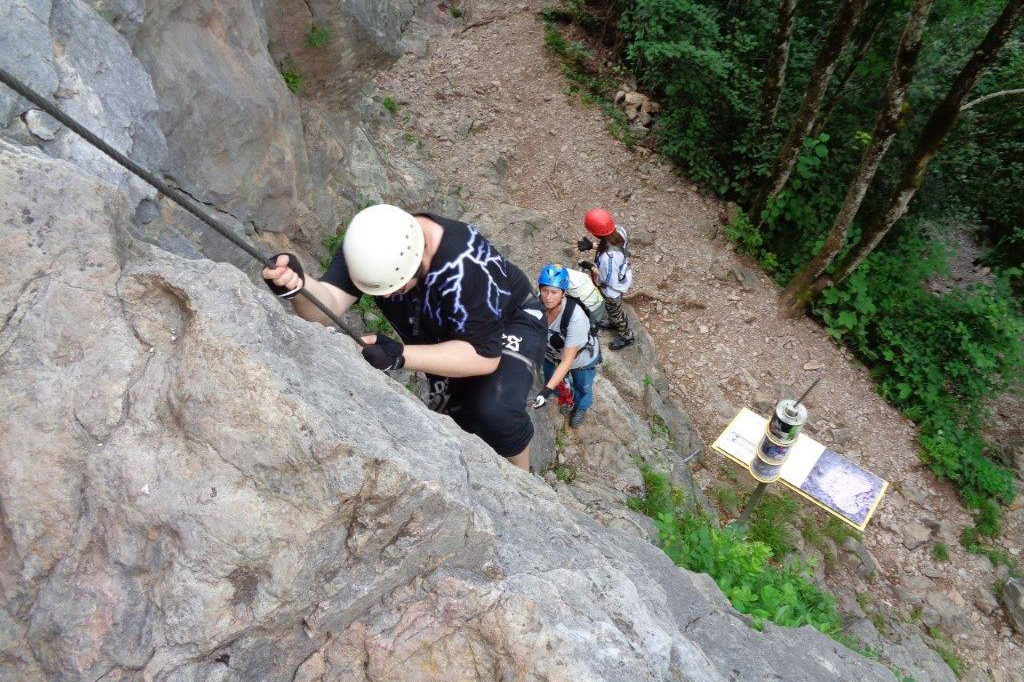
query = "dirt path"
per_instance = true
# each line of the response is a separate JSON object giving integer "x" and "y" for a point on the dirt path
{"x": 493, "y": 89}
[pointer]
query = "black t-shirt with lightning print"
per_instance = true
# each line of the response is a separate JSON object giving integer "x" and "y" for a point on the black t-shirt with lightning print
{"x": 467, "y": 294}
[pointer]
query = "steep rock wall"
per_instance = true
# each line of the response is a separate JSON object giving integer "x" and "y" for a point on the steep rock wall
{"x": 197, "y": 485}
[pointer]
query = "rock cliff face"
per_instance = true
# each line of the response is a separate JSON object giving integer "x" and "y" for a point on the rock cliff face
{"x": 196, "y": 485}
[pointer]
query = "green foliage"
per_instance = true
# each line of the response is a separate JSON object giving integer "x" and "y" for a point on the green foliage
{"x": 940, "y": 552}
{"x": 566, "y": 473}
{"x": 456, "y": 11}
{"x": 331, "y": 244}
{"x": 937, "y": 357}
{"x": 973, "y": 543}
{"x": 292, "y": 79}
{"x": 741, "y": 567}
{"x": 390, "y": 104}
{"x": 659, "y": 429}
{"x": 318, "y": 36}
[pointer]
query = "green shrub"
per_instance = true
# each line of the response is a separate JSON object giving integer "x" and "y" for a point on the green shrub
{"x": 390, "y": 104}
{"x": 292, "y": 79}
{"x": 937, "y": 357}
{"x": 741, "y": 567}
{"x": 940, "y": 552}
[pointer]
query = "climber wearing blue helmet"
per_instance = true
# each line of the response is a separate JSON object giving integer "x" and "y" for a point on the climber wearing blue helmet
{"x": 572, "y": 347}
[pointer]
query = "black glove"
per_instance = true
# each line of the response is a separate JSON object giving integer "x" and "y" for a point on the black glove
{"x": 543, "y": 397}
{"x": 586, "y": 265}
{"x": 296, "y": 267}
{"x": 584, "y": 244}
{"x": 385, "y": 354}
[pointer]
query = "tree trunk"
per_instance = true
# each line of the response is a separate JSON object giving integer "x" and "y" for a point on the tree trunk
{"x": 795, "y": 296}
{"x": 928, "y": 143}
{"x": 838, "y": 35}
{"x": 863, "y": 44}
{"x": 776, "y": 76}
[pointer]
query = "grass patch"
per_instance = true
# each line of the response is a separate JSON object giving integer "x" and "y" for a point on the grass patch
{"x": 940, "y": 644}
{"x": 940, "y": 552}
{"x": 727, "y": 499}
{"x": 813, "y": 535}
{"x": 318, "y": 36}
{"x": 771, "y": 523}
{"x": 838, "y": 531}
{"x": 390, "y": 104}
{"x": 566, "y": 473}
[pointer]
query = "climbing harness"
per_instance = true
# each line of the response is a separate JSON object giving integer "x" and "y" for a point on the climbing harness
{"x": 174, "y": 195}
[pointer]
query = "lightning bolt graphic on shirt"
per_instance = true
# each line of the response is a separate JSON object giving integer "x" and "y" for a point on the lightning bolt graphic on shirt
{"x": 445, "y": 285}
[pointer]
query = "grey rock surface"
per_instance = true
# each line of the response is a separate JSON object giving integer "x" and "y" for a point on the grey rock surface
{"x": 906, "y": 648}
{"x": 196, "y": 485}
{"x": 68, "y": 53}
{"x": 1013, "y": 600}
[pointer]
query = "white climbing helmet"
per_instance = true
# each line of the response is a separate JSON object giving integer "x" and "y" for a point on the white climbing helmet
{"x": 383, "y": 249}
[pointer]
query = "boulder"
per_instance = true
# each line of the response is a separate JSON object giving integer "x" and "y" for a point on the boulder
{"x": 1013, "y": 600}
{"x": 200, "y": 486}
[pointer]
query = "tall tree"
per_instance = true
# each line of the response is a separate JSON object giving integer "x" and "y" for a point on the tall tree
{"x": 824, "y": 65}
{"x": 776, "y": 73}
{"x": 887, "y": 124}
{"x": 929, "y": 141}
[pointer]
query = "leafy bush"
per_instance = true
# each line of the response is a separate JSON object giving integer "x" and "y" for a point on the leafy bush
{"x": 937, "y": 357}
{"x": 742, "y": 568}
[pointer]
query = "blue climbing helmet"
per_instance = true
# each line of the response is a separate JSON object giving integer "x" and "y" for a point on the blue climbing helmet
{"x": 554, "y": 276}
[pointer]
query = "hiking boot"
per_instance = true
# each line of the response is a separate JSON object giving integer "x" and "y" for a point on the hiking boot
{"x": 621, "y": 342}
{"x": 577, "y": 418}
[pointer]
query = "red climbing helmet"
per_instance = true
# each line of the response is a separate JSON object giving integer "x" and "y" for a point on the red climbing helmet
{"x": 599, "y": 222}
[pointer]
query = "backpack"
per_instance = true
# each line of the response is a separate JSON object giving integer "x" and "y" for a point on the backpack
{"x": 582, "y": 288}
{"x": 624, "y": 272}
{"x": 571, "y": 303}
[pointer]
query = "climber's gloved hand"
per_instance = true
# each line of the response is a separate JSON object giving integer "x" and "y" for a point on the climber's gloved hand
{"x": 383, "y": 352}
{"x": 288, "y": 278}
{"x": 584, "y": 244}
{"x": 543, "y": 397}
{"x": 586, "y": 265}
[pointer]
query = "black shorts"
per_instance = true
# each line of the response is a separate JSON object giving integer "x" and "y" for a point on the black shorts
{"x": 494, "y": 406}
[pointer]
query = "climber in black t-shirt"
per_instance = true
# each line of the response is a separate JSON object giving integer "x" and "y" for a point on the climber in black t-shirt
{"x": 467, "y": 317}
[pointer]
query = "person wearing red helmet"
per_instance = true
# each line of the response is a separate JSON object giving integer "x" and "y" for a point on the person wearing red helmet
{"x": 610, "y": 270}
